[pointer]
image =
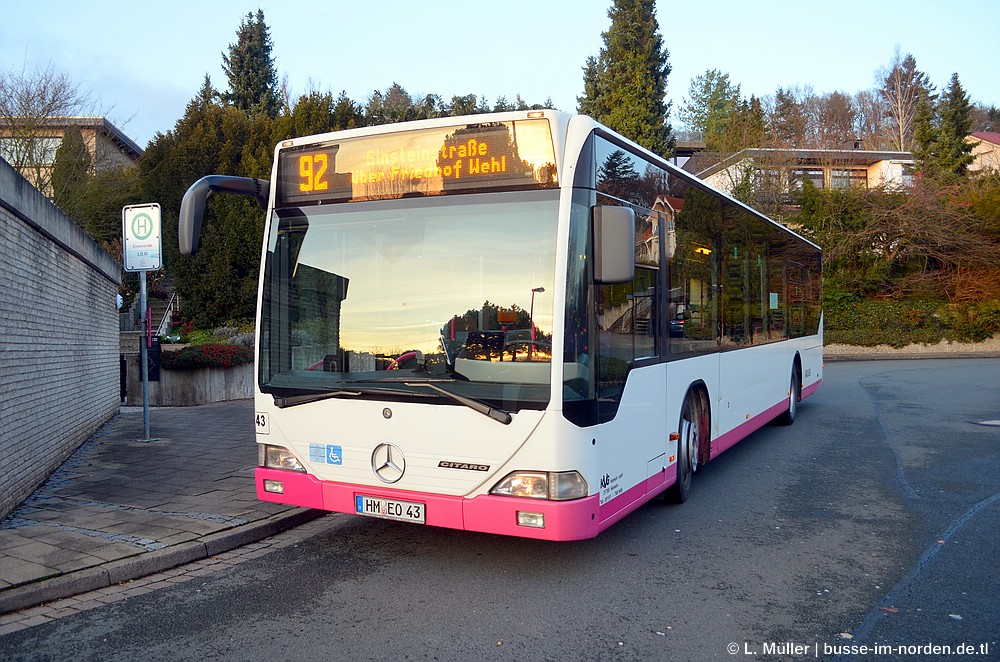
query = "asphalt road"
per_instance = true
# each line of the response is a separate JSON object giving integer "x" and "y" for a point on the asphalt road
{"x": 872, "y": 521}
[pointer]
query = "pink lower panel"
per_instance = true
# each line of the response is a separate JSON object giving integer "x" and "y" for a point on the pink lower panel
{"x": 564, "y": 520}
{"x": 728, "y": 440}
{"x": 812, "y": 388}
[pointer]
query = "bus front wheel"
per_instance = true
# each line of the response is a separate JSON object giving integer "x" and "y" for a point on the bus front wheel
{"x": 692, "y": 429}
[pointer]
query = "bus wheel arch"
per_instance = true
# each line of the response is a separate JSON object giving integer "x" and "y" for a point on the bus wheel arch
{"x": 693, "y": 443}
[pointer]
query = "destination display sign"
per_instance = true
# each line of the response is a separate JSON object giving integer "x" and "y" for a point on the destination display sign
{"x": 454, "y": 159}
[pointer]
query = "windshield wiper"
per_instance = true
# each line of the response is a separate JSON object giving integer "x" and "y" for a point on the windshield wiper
{"x": 498, "y": 415}
{"x": 291, "y": 400}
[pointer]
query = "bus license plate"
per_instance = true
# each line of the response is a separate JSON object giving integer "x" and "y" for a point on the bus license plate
{"x": 406, "y": 511}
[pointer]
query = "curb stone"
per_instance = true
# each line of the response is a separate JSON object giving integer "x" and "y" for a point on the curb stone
{"x": 144, "y": 564}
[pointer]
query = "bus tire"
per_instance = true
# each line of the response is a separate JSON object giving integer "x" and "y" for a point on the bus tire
{"x": 794, "y": 397}
{"x": 691, "y": 432}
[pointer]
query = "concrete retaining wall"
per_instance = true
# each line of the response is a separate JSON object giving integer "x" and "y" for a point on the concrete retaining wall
{"x": 184, "y": 388}
{"x": 58, "y": 337}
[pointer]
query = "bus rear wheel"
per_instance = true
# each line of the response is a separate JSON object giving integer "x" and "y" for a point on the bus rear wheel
{"x": 692, "y": 429}
{"x": 794, "y": 397}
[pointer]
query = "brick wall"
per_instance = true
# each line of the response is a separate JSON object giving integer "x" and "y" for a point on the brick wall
{"x": 59, "y": 375}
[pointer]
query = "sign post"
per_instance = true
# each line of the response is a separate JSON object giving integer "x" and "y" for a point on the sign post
{"x": 143, "y": 251}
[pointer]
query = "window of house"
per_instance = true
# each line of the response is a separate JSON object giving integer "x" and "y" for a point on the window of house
{"x": 799, "y": 175}
{"x": 30, "y": 151}
{"x": 846, "y": 178}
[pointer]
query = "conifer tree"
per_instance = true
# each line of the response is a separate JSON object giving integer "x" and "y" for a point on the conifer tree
{"x": 625, "y": 86}
{"x": 70, "y": 171}
{"x": 940, "y": 129}
{"x": 955, "y": 110}
{"x": 746, "y": 126}
{"x": 617, "y": 175}
{"x": 468, "y": 104}
{"x": 216, "y": 285}
{"x": 313, "y": 113}
{"x": 346, "y": 113}
{"x": 788, "y": 120}
{"x": 92, "y": 196}
{"x": 398, "y": 105}
{"x": 207, "y": 95}
{"x": 991, "y": 119}
{"x": 592, "y": 102}
{"x": 925, "y": 133}
{"x": 711, "y": 104}
{"x": 253, "y": 80}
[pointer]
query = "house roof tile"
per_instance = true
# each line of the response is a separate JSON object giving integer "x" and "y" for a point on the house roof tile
{"x": 988, "y": 137}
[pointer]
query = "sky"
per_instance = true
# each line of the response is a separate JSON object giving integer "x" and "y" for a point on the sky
{"x": 141, "y": 61}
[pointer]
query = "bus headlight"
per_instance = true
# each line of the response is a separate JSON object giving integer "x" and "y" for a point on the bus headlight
{"x": 552, "y": 485}
{"x": 278, "y": 457}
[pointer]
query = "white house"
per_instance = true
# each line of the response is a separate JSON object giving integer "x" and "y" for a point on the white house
{"x": 782, "y": 171}
{"x": 985, "y": 151}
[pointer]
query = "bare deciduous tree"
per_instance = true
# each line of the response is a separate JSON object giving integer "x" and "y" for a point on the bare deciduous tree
{"x": 31, "y": 102}
{"x": 903, "y": 86}
{"x": 894, "y": 244}
{"x": 869, "y": 119}
{"x": 985, "y": 118}
{"x": 835, "y": 128}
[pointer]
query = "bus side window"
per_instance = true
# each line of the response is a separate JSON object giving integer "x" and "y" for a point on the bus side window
{"x": 693, "y": 249}
{"x": 627, "y": 317}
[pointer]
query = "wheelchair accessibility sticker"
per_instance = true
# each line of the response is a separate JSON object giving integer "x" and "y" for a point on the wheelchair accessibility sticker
{"x": 326, "y": 453}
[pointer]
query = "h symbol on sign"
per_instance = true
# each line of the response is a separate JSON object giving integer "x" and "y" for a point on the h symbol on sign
{"x": 142, "y": 226}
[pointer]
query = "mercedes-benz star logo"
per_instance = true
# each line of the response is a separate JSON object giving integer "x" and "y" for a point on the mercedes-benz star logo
{"x": 388, "y": 463}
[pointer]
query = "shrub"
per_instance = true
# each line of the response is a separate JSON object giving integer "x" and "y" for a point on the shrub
{"x": 901, "y": 323}
{"x": 973, "y": 322}
{"x": 245, "y": 339}
{"x": 206, "y": 356}
{"x": 197, "y": 337}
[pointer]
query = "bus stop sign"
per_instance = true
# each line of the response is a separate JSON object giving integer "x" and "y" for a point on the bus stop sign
{"x": 142, "y": 239}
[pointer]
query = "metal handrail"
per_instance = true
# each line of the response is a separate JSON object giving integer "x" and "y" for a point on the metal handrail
{"x": 165, "y": 323}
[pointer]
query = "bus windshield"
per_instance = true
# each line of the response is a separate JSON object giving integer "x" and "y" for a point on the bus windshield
{"x": 376, "y": 297}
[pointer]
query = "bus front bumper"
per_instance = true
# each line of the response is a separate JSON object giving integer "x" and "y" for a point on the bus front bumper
{"x": 549, "y": 520}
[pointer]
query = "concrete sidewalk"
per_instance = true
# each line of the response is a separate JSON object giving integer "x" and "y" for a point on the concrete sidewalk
{"x": 119, "y": 508}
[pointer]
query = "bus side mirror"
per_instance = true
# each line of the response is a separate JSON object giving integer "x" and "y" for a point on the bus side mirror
{"x": 193, "y": 204}
{"x": 614, "y": 245}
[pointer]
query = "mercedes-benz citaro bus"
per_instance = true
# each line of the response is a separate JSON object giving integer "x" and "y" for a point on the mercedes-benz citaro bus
{"x": 517, "y": 323}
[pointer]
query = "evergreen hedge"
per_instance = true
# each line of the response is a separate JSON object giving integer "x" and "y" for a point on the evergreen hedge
{"x": 900, "y": 323}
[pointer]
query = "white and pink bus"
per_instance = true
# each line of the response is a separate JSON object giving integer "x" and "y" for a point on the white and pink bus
{"x": 518, "y": 323}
